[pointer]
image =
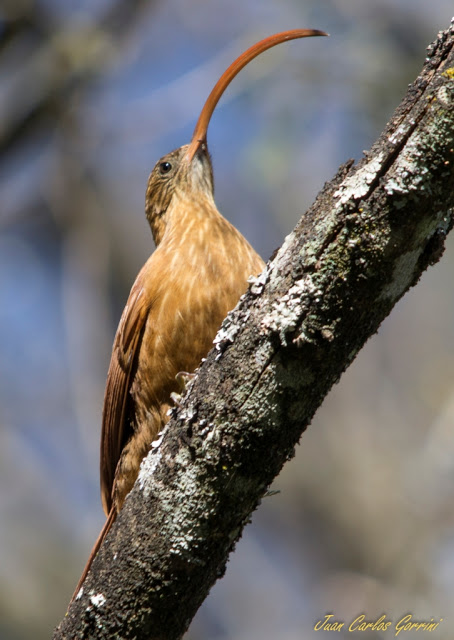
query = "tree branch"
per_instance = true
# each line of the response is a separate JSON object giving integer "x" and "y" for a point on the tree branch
{"x": 365, "y": 241}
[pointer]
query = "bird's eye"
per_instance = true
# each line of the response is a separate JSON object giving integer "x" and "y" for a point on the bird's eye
{"x": 165, "y": 167}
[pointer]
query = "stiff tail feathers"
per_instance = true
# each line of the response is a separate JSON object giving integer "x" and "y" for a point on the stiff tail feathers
{"x": 104, "y": 531}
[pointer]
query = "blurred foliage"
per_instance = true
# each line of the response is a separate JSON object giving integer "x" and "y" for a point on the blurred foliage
{"x": 91, "y": 95}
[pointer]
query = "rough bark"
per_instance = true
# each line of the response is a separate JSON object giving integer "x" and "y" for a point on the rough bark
{"x": 365, "y": 241}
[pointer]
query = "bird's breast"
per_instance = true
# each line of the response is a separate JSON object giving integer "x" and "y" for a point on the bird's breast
{"x": 191, "y": 287}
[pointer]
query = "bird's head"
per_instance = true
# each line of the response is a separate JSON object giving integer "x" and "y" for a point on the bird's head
{"x": 172, "y": 176}
{"x": 189, "y": 168}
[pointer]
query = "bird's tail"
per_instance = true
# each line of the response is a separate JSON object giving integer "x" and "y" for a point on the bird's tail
{"x": 104, "y": 531}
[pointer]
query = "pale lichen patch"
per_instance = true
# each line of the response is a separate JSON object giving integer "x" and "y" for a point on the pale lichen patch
{"x": 156, "y": 443}
{"x": 403, "y": 275}
{"x": 147, "y": 469}
{"x": 445, "y": 96}
{"x": 274, "y": 269}
{"x": 357, "y": 186}
{"x": 263, "y": 354}
{"x": 97, "y": 600}
{"x": 287, "y": 311}
{"x": 228, "y": 332}
{"x": 398, "y": 134}
{"x": 258, "y": 282}
{"x": 408, "y": 174}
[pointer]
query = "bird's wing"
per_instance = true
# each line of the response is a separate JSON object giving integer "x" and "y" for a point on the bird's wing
{"x": 124, "y": 354}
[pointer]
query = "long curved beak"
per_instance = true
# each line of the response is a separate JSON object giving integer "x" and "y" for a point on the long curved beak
{"x": 199, "y": 136}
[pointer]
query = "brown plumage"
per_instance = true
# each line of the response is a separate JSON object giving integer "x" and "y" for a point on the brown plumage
{"x": 173, "y": 312}
{"x": 196, "y": 275}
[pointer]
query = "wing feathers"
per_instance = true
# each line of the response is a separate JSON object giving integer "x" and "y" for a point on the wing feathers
{"x": 124, "y": 354}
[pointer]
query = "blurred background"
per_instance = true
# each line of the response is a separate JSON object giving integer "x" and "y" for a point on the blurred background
{"x": 92, "y": 93}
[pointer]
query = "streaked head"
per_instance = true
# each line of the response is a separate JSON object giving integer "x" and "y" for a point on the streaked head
{"x": 173, "y": 174}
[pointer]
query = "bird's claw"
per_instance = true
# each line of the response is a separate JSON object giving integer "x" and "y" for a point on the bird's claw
{"x": 183, "y": 378}
{"x": 176, "y": 398}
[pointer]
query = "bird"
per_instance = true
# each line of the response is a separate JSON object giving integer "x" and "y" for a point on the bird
{"x": 196, "y": 275}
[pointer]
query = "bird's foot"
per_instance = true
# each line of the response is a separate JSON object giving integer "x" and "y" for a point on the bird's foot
{"x": 176, "y": 399}
{"x": 183, "y": 378}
